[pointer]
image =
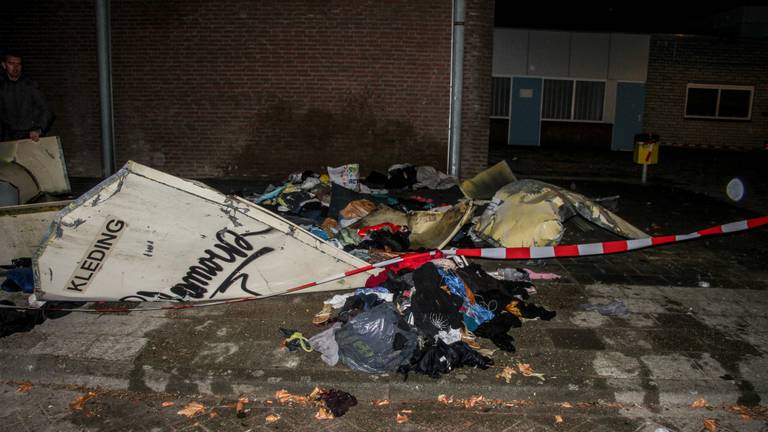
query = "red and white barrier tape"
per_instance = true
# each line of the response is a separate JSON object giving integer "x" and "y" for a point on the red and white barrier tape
{"x": 603, "y": 248}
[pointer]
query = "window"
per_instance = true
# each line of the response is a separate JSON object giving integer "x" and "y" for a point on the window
{"x": 500, "y": 89}
{"x": 719, "y": 101}
{"x": 573, "y": 100}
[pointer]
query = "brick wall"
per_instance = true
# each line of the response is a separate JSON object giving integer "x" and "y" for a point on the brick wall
{"x": 207, "y": 88}
{"x": 675, "y": 61}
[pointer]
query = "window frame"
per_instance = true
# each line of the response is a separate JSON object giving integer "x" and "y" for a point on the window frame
{"x": 573, "y": 99}
{"x": 719, "y": 88}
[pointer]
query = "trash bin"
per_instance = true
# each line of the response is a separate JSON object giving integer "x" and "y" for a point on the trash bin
{"x": 646, "y": 149}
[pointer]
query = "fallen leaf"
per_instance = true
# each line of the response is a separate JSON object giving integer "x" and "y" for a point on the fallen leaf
{"x": 240, "y": 407}
{"x": 443, "y": 399}
{"x": 506, "y": 374}
{"x": 272, "y": 418}
{"x": 24, "y": 387}
{"x": 473, "y": 400}
{"x": 213, "y": 414}
{"x": 700, "y": 403}
{"x": 380, "y": 402}
{"x": 566, "y": 405}
{"x": 558, "y": 419}
{"x": 745, "y": 417}
{"x": 283, "y": 397}
{"x": 406, "y": 411}
{"x": 526, "y": 370}
{"x": 192, "y": 409}
{"x": 79, "y": 403}
{"x": 168, "y": 404}
{"x": 710, "y": 425}
{"x": 324, "y": 414}
{"x": 402, "y": 418}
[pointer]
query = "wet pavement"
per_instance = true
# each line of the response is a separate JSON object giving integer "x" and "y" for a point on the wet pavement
{"x": 696, "y": 328}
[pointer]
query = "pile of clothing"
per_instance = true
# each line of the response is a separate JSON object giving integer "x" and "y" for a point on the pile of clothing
{"x": 380, "y": 212}
{"x": 425, "y": 317}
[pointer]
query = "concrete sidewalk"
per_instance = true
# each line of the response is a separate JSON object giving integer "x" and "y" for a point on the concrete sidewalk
{"x": 697, "y": 328}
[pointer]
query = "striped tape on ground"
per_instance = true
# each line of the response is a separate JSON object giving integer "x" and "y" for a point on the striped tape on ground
{"x": 602, "y": 248}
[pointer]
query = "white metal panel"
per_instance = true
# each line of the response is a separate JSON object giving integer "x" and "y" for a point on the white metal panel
{"x": 589, "y": 55}
{"x": 23, "y": 228}
{"x": 510, "y": 51}
{"x": 146, "y": 235}
{"x": 43, "y": 159}
{"x": 629, "y": 57}
{"x": 549, "y": 53}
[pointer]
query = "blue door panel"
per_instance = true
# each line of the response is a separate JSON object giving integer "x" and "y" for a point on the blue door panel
{"x": 524, "y": 122}
{"x": 630, "y": 102}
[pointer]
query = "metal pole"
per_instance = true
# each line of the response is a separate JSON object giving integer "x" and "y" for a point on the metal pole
{"x": 103, "y": 43}
{"x": 645, "y": 173}
{"x": 457, "y": 82}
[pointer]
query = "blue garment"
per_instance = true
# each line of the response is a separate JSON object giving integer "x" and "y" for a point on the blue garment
{"x": 474, "y": 314}
{"x": 269, "y": 195}
{"x": 20, "y": 278}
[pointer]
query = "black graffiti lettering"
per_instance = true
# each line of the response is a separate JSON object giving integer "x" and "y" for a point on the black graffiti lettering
{"x": 236, "y": 276}
{"x": 196, "y": 280}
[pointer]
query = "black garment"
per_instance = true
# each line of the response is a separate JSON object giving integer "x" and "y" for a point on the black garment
{"x": 442, "y": 358}
{"x": 479, "y": 281}
{"x": 433, "y": 308}
{"x": 23, "y": 108}
{"x": 386, "y": 240}
{"x": 497, "y": 328}
{"x": 336, "y": 401}
{"x": 401, "y": 178}
{"x": 14, "y": 321}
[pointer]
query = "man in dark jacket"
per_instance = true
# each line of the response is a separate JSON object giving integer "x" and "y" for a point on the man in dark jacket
{"x": 24, "y": 112}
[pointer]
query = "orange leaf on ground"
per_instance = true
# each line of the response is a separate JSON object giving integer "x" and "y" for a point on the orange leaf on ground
{"x": 566, "y": 405}
{"x": 699, "y": 403}
{"x": 79, "y": 403}
{"x": 473, "y": 400}
{"x": 443, "y": 399}
{"x": 24, "y": 387}
{"x": 240, "y": 406}
{"x": 192, "y": 409}
{"x": 380, "y": 402}
{"x": 272, "y": 418}
{"x": 402, "y": 418}
{"x": 167, "y": 404}
{"x": 710, "y": 425}
{"x": 527, "y": 370}
{"x": 283, "y": 397}
{"x": 506, "y": 374}
{"x": 559, "y": 419}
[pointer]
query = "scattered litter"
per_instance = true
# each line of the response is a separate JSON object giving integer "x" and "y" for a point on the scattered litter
{"x": 294, "y": 340}
{"x": 473, "y": 400}
{"x": 167, "y": 404}
{"x": 566, "y": 405}
{"x": 614, "y": 308}
{"x": 324, "y": 414}
{"x": 710, "y": 425}
{"x": 79, "y": 403}
{"x": 443, "y": 399}
{"x": 700, "y": 403}
{"x": 332, "y": 403}
{"x": 24, "y": 387}
{"x": 704, "y": 284}
{"x": 192, "y": 409}
{"x": 272, "y": 418}
{"x": 558, "y": 419}
{"x": 541, "y": 276}
{"x": 380, "y": 402}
